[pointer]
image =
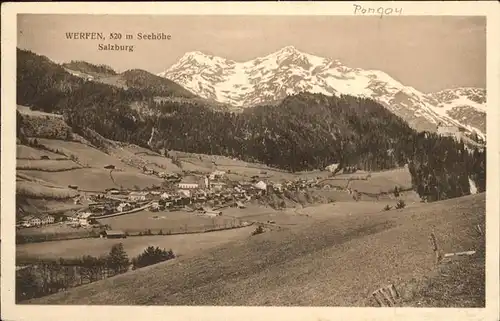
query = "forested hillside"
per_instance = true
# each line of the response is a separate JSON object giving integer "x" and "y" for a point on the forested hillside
{"x": 89, "y": 68}
{"x": 303, "y": 132}
{"x": 154, "y": 85}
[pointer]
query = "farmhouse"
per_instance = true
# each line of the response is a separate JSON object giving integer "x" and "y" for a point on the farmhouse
{"x": 47, "y": 219}
{"x": 84, "y": 218}
{"x": 30, "y": 220}
{"x": 155, "y": 206}
{"x": 261, "y": 185}
{"x": 332, "y": 168}
{"x": 137, "y": 196}
{"x": 217, "y": 185}
{"x": 123, "y": 207}
{"x": 110, "y": 234}
{"x": 147, "y": 171}
{"x": 113, "y": 191}
{"x": 209, "y": 212}
{"x": 165, "y": 196}
{"x": 184, "y": 193}
{"x": 44, "y": 157}
{"x": 217, "y": 175}
{"x": 278, "y": 187}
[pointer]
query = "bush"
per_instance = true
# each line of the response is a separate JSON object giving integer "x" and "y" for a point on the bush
{"x": 401, "y": 204}
{"x": 258, "y": 230}
{"x": 387, "y": 208}
{"x": 150, "y": 256}
{"x": 396, "y": 191}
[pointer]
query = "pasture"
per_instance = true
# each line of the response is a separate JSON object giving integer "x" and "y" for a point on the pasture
{"x": 182, "y": 244}
{"x": 95, "y": 179}
{"x": 25, "y": 110}
{"x": 162, "y": 163}
{"x": 168, "y": 222}
{"x": 338, "y": 262}
{"x": 27, "y": 152}
{"x": 38, "y": 191}
{"x": 46, "y": 205}
{"x": 46, "y": 165}
{"x": 86, "y": 155}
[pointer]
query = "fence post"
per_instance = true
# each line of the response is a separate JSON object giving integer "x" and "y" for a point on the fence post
{"x": 435, "y": 248}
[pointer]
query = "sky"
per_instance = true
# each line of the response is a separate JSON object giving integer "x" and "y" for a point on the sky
{"x": 429, "y": 53}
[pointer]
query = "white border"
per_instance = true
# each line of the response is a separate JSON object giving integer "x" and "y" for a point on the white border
{"x": 10, "y": 311}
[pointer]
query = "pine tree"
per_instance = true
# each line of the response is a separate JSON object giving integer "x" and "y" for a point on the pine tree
{"x": 117, "y": 259}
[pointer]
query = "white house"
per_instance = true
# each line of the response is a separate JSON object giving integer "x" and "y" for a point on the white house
{"x": 184, "y": 193}
{"x": 47, "y": 219}
{"x": 261, "y": 185}
{"x": 84, "y": 218}
{"x": 165, "y": 196}
{"x": 217, "y": 174}
{"x": 123, "y": 207}
{"x": 137, "y": 196}
{"x": 332, "y": 167}
{"x": 217, "y": 185}
{"x": 30, "y": 220}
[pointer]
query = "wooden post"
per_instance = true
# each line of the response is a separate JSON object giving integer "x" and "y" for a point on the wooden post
{"x": 378, "y": 299}
{"x": 435, "y": 248}
{"x": 394, "y": 291}
{"x": 387, "y": 295}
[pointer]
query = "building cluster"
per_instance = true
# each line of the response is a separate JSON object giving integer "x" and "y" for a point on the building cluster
{"x": 199, "y": 193}
{"x": 34, "y": 221}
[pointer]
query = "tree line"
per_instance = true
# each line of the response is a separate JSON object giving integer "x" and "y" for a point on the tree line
{"x": 51, "y": 276}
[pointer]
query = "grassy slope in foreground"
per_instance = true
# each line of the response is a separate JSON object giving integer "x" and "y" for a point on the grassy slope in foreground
{"x": 338, "y": 262}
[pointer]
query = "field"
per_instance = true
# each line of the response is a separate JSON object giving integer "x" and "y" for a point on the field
{"x": 140, "y": 157}
{"x": 95, "y": 179}
{"x": 46, "y": 205}
{"x": 383, "y": 182}
{"x": 182, "y": 245}
{"x": 34, "y": 190}
{"x": 46, "y": 165}
{"x": 335, "y": 262}
{"x": 24, "y": 110}
{"x": 162, "y": 163}
{"x": 174, "y": 222}
{"x": 86, "y": 155}
{"x": 26, "y": 152}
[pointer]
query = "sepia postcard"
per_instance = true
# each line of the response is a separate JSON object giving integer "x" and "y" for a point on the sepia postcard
{"x": 249, "y": 161}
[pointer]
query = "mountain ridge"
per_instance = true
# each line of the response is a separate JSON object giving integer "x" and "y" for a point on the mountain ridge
{"x": 290, "y": 71}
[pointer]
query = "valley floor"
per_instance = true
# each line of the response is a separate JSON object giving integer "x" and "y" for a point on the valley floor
{"x": 339, "y": 261}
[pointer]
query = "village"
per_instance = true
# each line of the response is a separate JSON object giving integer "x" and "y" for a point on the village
{"x": 205, "y": 195}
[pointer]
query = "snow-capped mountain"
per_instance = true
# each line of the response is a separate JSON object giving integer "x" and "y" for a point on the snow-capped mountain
{"x": 290, "y": 71}
{"x": 466, "y": 105}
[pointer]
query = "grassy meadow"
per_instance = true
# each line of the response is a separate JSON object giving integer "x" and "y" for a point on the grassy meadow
{"x": 182, "y": 244}
{"x": 334, "y": 262}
